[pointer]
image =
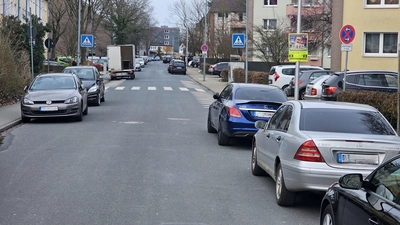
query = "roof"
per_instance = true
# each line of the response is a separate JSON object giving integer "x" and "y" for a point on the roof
{"x": 333, "y": 105}
{"x": 227, "y": 6}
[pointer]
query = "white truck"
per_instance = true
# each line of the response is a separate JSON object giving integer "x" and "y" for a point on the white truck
{"x": 121, "y": 61}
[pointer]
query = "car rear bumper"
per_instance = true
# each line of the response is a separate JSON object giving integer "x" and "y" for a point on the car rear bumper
{"x": 313, "y": 176}
{"x": 239, "y": 129}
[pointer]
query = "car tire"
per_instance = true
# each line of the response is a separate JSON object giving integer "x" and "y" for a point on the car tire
{"x": 86, "y": 110}
{"x": 112, "y": 78}
{"x": 132, "y": 76}
{"x": 210, "y": 128}
{"x": 255, "y": 169}
{"x": 301, "y": 94}
{"x": 223, "y": 139}
{"x": 283, "y": 196}
{"x": 25, "y": 119}
{"x": 327, "y": 216}
{"x": 80, "y": 116}
{"x": 103, "y": 98}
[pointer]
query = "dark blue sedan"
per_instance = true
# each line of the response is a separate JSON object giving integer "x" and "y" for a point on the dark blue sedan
{"x": 235, "y": 110}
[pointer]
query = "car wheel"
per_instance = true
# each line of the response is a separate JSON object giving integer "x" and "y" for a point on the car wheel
{"x": 80, "y": 116}
{"x": 283, "y": 196}
{"x": 327, "y": 216}
{"x": 210, "y": 128}
{"x": 97, "y": 103}
{"x": 255, "y": 169}
{"x": 86, "y": 110}
{"x": 301, "y": 94}
{"x": 132, "y": 76}
{"x": 25, "y": 119}
{"x": 103, "y": 98}
{"x": 223, "y": 139}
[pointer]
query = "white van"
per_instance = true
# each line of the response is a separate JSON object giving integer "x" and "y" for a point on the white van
{"x": 280, "y": 76}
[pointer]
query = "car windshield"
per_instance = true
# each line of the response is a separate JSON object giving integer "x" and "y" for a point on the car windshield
{"x": 260, "y": 94}
{"x": 53, "y": 82}
{"x": 82, "y": 73}
{"x": 179, "y": 63}
{"x": 344, "y": 121}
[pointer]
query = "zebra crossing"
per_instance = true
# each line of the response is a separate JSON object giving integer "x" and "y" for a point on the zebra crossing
{"x": 153, "y": 88}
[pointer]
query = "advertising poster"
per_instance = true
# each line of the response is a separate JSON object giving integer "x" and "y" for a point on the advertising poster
{"x": 298, "y": 47}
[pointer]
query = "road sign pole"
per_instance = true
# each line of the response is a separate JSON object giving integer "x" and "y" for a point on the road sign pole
{"x": 345, "y": 71}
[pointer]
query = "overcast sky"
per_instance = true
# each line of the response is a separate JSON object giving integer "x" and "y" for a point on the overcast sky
{"x": 162, "y": 13}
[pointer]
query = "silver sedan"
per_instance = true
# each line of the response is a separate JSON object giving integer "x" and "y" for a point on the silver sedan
{"x": 308, "y": 145}
{"x": 314, "y": 88}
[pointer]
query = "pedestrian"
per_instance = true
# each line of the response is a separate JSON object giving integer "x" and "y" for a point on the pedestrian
{"x": 74, "y": 62}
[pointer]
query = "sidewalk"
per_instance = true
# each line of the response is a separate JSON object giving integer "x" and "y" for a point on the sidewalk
{"x": 11, "y": 115}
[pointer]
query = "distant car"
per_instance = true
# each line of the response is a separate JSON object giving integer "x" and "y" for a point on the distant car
{"x": 64, "y": 60}
{"x": 360, "y": 80}
{"x": 281, "y": 75}
{"x": 308, "y": 145}
{"x": 314, "y": 88}
{"x": 177, "y": 66}
{"x": 374, "y": 199}
{"x": 141, "y": 61}
{"x": 103, "y": 61}
{"x": 51, "y": 63}
{"x": 195, "y": 62}
{"x": 210, "y": 69}
{"x": 138, "y": 67}
{"x": 217, "y": 68}
{"x": 157, "y": 58}
{"x": 234, "y": 111}
{"x": 54, "y": 95}
{"x": 92, "y": 80}
{"x": 166, "y": 59}
{"x": 305, "y": 77}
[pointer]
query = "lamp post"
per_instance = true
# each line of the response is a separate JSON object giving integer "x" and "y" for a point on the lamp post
{"x": 296, "y": 86}
{"x": 79, "y": 33}
{"x": 205, "y": 42}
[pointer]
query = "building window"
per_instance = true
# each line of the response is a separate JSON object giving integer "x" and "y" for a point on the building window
{"x": 270, "y": 2}
{"x": 166, "y": 42}
{"x": 166, "y": 37}
{"x": 240, "y": 17}
{"x": 380, "y": 44}
{"x": 166, "y": 31}
{"x": 220, "y": 15}
{"x": 382, "y": 2}
{"x": 269, "y": 24}
{"x": 305, "y": 2}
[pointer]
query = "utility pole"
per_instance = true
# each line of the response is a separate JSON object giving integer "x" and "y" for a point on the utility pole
{"x": 205, "y": 42}
{"x": 296, "y": 86}
{"x": 79, "y": 33}
{"x": 247, "y": 41}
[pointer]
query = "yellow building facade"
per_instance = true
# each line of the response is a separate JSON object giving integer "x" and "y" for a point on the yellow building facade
{"x": 376, "y": 41}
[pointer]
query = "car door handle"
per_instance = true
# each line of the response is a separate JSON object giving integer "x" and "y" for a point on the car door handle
{"x": 373, "y": 221}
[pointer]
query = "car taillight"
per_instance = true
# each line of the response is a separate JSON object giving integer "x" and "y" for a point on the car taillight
{"x": 234, "y": 112}
{"x": 309, "y": 152}
{"x": 294, "y": 83}
{"x": 330, "y": 90}
{"x": 313, "y": 91}
{"x": 214, "y": 68}
{"x": 276, "y": 76}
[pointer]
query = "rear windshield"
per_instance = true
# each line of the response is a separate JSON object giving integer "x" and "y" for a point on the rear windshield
{"x": 274, "y": 95}
{"x": 332, "y": 79}
{"x": 179, "y": 63}
{"x": 344, "y": 121}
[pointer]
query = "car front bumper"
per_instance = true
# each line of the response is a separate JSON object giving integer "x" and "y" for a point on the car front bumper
{"x": 63, "y": 110}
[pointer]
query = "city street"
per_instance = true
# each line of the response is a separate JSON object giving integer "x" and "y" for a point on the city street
{"x": 143, "y": 156}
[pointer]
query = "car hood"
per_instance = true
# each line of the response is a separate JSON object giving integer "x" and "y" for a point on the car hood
{"x": 88, "y": 83}
{"x": 51, "y": 95}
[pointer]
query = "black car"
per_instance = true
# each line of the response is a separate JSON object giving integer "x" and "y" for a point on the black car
{"x": 195, "y": 62}
{"x": 361, "y": 80}
{"x": 373, "y": 200}
{"x": 177, "y": 66}
{"x": 305, "y": 77}
{"x": 217, "y": 68}
{"x": 92, "y": 80}
{"x": 167, "y": 59}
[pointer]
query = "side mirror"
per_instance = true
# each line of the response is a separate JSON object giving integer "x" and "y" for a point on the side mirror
{"x": 100, "y": 78}
{"x": 26, "y": 88}
{"x": 260, "y": 124}
{"x": 216, "y": 96}
{"x": 351, "y": 181}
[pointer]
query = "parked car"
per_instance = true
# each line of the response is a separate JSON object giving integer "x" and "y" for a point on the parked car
{"x": 103, "y": 61}
{"x": 211, "y": 69}
{"x": 360, "y": 80}
{"x": 51, "y": 63}
{"x": 280, "y": 76}
{"x": 217, "y": 68}
{"x": 177, "y": 66}
{"x": 373, "y": 200}
{"x": 157, "y": 58}
{"x": 308, "y": 145}
{"x": 195, "y": 62}
{"x": 314, "y": 88}
{"x": 92, "y": 80}
{"x": 141, "y": 61}
{"x": 64, "y": 60}
{"x": 138, "y": 67}
{"x": 305, "y": 77}
{"x": 239, "y": 105}
{"x": 54, "y": 95}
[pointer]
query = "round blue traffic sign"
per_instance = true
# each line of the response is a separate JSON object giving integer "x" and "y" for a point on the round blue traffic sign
{"x": 347, "y": 34}
{"x": 204, "y": 48}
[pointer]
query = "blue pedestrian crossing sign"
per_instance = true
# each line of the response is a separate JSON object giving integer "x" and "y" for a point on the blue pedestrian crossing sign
{"x": 86, "y": 40}
{"x": 238, "y": 40}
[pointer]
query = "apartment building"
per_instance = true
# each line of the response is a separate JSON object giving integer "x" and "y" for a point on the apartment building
{"x": 376, "y": 41}
{"x": 23, "y": 8}
{"x": 167, "y": 39}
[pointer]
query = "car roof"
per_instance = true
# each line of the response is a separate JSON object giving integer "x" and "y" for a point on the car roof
{"x": 332, "y": 105}
{"x": 55, "y": 74}
{"x": 289, "y": 66}
{"x": 253, "y": 85}
{"x": 79, "y": 67}
{"x": 350, "y": 72}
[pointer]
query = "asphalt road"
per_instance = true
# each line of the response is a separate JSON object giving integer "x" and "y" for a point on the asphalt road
{"x": 143, "y": 157}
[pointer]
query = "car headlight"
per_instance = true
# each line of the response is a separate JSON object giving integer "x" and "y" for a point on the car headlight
{"x": 93, "y": 89}
{"x": 27, "y": 101}
{"x": 74, "y": 99}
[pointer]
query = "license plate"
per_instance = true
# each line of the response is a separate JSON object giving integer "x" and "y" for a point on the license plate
{"x": 179, "y": 67}
{"x": 358, "y": 159}
{"x": 48, "y": 108}
{"x": 264, "y": 114}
